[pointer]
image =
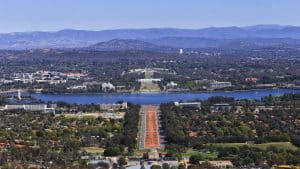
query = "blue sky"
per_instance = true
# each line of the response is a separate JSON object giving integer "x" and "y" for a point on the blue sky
{"x": 52, "y": 15}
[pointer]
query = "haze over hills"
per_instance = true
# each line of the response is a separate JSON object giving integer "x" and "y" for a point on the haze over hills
{"x": 127, "y": 44}
{"x": 191, "y": 42}
{"x": 260, "y": 35}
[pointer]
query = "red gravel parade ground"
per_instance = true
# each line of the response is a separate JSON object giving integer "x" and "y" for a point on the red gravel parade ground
{"x": 151, "y": 132}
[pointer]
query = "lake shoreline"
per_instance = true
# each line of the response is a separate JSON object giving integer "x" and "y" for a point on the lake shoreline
{"x": 158, "y": 98}
{"x": 163, "y": 92}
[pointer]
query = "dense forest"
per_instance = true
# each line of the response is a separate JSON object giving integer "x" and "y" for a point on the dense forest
{"x": 238, "y": 124}
{"x": 58, "y": 141}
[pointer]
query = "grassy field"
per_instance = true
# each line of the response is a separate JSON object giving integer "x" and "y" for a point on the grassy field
{"x": 139, "y": 152}
{"x": 74, "y": 116}
{"x": 280, "y": 145}
{"x": 188, "y": 153}
{"x": 206, "y": 155}
{"x": 93, "y": 150}
{"x": 149, "y": 87}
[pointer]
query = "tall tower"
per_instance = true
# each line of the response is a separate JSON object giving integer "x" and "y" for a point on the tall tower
{"x": 19, "y": 94}
{"x": 181, "y": 51}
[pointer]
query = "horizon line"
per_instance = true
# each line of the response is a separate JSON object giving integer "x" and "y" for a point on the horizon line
{"x": 141, "y": 28}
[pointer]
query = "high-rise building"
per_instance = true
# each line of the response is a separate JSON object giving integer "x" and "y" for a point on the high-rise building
{"x": 19, "y": 94}
{"x": 181, "y": 51}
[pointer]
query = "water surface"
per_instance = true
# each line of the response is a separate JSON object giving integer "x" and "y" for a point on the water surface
{"x": 157, "y": 98}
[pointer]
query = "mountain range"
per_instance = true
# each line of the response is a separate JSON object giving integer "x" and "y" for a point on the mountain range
{"x": 154, "y": 38}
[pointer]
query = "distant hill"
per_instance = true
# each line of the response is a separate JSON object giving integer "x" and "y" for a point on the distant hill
{"x": 127, "y": 44}
{"x": 81, "y": 38}
{"x": 188, "y": 42}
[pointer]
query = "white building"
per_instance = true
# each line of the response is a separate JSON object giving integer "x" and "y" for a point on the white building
{"x": 188, "y": 104}
{"x": 172, "y": 84}
{"x": 113, "y": 106}
{"x": 78, "y": 87}
{"x": 32, "y": 107}
{"x": 181, "y": 51}
{"x": 148, "y": 80}
{"x": 220, "y": 164}
{"x": 112, "y": 115}
{"x": 107, "y": 86}
{"x": 219, "y": 85}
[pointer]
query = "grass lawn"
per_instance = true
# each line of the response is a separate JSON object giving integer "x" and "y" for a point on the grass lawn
{"x": 139, "y": 152}
{"x": 149, "y": 87}
{"x": 75, "y": 116}
{"x": 280, "y": 145}
{"x": 93, "y": 150}
{"x": 206, "y": 155}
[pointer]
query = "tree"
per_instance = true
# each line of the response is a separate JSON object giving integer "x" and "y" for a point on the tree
{"x": 166, "y": 166}
{"x": 104, "y": 165}
{"x": 296, "y": 141}
{"x": 122, "y": 161}
{"x": 193, "y": 166}
{"x": 156, "y": 167}
{"x": 115, "y": 166}
{"x": 181, "y": 166}
{"x": 112, "y": 151}
{"x": 2, "y": 100}
{"x": 206, "y": 165}
{"x": 194, "y": 159}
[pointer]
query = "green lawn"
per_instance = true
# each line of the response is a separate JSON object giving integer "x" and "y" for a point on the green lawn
{"x": 280, "y": 145}
{"x": 93, "y": 150}
{"x": 141, "y": 151}
{"x": 206, "y": 155}
{"x": 149, "y": 87}
{"x": 83, "y": 115}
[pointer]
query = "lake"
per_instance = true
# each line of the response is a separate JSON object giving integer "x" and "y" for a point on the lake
{"x": 158, "y": 98}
